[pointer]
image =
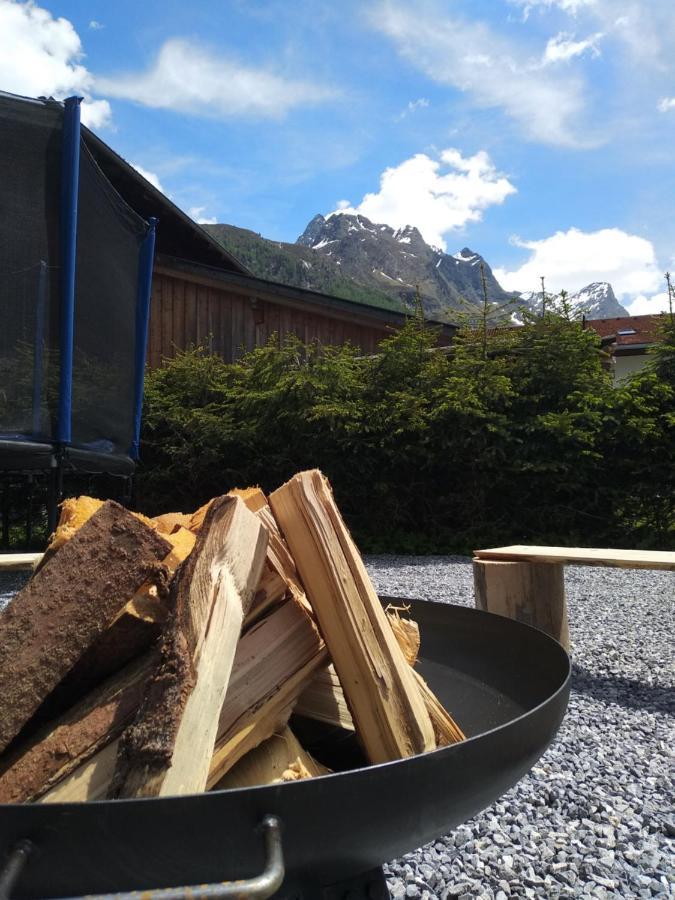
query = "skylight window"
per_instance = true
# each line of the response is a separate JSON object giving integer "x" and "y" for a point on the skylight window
{"x": 627, "y": 331}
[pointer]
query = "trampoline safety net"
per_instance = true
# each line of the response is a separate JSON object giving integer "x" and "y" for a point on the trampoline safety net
{"x": 30, "y": 179}
{"x": 109, "y": 239}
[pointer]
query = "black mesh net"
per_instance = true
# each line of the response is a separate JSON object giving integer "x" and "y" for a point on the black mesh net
{"x": 30, "y": 182}
{"x": 109, "y": 238}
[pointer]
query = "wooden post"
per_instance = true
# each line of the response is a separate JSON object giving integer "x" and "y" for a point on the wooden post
{"x": 533, "y": 593}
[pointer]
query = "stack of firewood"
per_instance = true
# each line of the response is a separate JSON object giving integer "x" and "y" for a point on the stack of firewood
{"x": 165, "y": 656}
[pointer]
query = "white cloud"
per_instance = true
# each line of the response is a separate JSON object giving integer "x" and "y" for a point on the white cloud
{"x": 645, "y": 27}
{"x": 149, "y": 176}
{"x": 666, "y": 103}
{"x": 187, "y": 78}
{"x": 96, "y": 26}
{"x": 569, "y": 6}
{"x": 435, "y": 195}
{"x": 41, "y": 56}
{"x": 569, "y": 260}
{"x": 493, "y": 70}
{"x": 411, "y": 107}
{"x": 644, "y": 306}
{"x": 96, "y": 113}
{"x": 563, "y": 47}
{"x": 197, "y": 213}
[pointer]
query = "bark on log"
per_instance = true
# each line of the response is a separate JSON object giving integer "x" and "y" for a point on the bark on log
{"x": 67, "y": 605}
{"x": 168, "y": 749}
{"x": 273, "y": 664}
{"x": 67, "y": 744}
{"x": 132, "y": 631}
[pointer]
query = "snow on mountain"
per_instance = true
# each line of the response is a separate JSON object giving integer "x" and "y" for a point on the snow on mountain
{"x": 399, "y": 261}
{"x": 595, "y": 301}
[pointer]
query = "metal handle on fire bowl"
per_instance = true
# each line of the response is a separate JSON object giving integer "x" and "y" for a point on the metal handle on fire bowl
{"x": 258, "y": 888}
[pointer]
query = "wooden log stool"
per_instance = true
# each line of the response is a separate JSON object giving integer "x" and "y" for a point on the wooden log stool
{"x": 528, "y": 583}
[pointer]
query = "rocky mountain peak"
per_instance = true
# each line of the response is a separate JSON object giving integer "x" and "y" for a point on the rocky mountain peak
{"x": 312, "y": 233}
{"x": 347, "y": 255}
{"x": 400, "y": 262}
{"x": 595, "y": 301}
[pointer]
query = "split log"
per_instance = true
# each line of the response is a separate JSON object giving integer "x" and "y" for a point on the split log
{"x": 273, "y": 664}
{"x": 279, "y": 759}
{"x": 67, "y": 605}
{"x": 67, "y": 744}
{"x": 447, "y": 731}
{"x": 139, "y": 622}
{"x": 90, "y": 781}
{"x": 324, "y": 700}
{"x": 131, "y": 633}
{"x": 281, "y": 559}
{"x": 136, "y": 626}
{"x": 390, "y": 715}
{"x": 406, "y": 632}
{"x": 168, "y": 749}
{"x": 272, "y": 587}
{"x": 75, "y": 511}
{"x": 167, "y": 523}
{"x": 281, "y": 576}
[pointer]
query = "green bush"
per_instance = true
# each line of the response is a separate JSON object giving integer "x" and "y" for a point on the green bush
{"x": 513, "y": 436}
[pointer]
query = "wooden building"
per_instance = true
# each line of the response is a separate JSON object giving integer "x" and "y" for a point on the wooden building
{"x": 202, "y": 295}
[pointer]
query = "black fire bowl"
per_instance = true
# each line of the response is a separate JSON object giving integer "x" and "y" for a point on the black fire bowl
{"x": 504, "y": 682}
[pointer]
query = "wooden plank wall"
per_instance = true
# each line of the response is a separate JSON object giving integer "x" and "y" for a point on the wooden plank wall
{"x": 185, "y": 314}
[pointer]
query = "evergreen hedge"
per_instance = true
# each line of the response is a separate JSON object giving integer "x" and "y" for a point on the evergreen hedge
{"x": 509, "y": 436}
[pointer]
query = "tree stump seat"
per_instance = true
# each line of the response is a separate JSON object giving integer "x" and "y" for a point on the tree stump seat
{"x": 527, "y": 583}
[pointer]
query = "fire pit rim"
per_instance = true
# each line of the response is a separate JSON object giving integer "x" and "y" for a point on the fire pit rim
{"x": 359, "y": 771}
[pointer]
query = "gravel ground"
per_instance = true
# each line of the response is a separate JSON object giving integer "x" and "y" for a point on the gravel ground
{"x": 10, "y": 583}
{"x": 595, "y": 817}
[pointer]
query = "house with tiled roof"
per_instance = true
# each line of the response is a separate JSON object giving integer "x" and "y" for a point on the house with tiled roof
{"x": 627, "y": 339}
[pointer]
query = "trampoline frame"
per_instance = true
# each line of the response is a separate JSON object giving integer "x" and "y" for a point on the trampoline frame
{"x": 28, "y": 457}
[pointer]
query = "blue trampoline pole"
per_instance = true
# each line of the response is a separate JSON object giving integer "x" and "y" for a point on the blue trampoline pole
{"x": 70, "y": 175}
{"x": 145, "y": 262}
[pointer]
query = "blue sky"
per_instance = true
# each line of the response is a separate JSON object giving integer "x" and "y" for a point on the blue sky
{"x": 537, "y": 132}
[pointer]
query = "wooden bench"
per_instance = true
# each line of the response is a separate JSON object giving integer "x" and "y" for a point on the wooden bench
{"x": 18, "y": 562}
{"x": 528, "y": 584}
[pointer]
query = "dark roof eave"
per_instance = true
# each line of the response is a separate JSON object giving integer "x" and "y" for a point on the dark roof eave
{"x": 262, "y": 286}
{"x": 629, "y": 349}
{"x": 162, "y": 200}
